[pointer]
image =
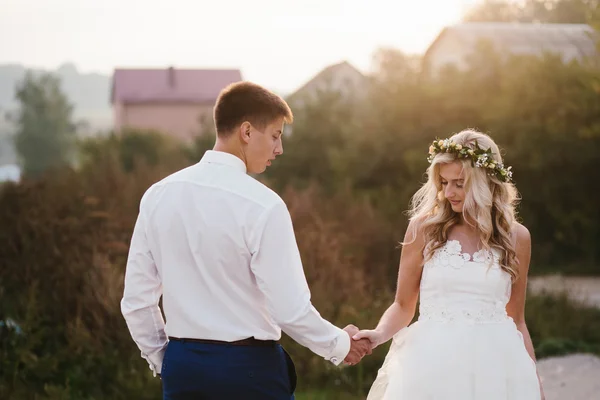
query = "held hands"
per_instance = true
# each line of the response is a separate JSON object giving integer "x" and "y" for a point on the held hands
{"x": 375, "y": 337}
{"x": 358, "y": 347}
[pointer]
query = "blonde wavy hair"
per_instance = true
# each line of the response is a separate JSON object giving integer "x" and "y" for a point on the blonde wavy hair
{"x": 489, "y": 204}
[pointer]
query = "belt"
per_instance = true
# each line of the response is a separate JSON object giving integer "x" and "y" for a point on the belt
{"x": 244, "y": 342}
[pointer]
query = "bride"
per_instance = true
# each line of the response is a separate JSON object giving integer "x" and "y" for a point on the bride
{"x": 467, "y": 258}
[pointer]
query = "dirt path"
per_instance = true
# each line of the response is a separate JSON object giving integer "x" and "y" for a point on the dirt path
{"x": 573, "y": 377}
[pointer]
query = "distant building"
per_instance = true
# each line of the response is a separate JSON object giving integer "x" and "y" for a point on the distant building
{"x": 8, "y": 152}
{"x": 342, "y": 77}
{"x": 173, "y": 101}
{"x": 456, "y": 43}
{"x": 10, "y": 173}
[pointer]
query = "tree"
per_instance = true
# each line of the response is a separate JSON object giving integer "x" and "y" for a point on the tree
{"x": 494, "y": 11}
{"x": 45, "y": 134}
{"x": 545, "y": 11}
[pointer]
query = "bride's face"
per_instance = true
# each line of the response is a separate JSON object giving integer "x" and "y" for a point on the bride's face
{"x": 452, "y": 180}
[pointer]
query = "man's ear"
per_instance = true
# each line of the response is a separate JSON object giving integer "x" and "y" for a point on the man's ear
{"x": 245, "y": 131}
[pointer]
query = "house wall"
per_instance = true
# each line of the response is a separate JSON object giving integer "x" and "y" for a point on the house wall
{"x": 118, "y": 116}
{"x": 180, "y": 120}
{"x": 448, "y": 50}
{"x": 343, "y": 79}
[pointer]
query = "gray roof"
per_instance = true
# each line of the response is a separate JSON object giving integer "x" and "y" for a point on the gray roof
{"x": 568, "y": 40}
{"x": 329, "y": 78}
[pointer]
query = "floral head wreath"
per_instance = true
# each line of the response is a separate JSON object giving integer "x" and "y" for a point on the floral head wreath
{"x": 479, "y": 157}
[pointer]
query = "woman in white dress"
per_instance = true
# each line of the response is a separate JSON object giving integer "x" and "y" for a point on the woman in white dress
{"x": 467, "y": 259}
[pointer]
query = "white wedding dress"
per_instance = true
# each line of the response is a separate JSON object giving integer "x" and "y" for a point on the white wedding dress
{"x": 463, "y": 346}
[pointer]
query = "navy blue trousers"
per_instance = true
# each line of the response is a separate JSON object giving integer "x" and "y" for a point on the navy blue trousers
{"x": 199, "y": 371}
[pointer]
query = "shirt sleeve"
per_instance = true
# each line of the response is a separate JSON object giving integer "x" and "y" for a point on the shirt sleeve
{"x": 278, "y": 269}
{"x": 143, "y": 289}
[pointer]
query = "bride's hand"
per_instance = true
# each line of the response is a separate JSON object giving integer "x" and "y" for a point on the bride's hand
{"x": 374, "y": 336}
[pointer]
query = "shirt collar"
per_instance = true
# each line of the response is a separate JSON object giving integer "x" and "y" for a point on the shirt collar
{"x": 220, "y": 157}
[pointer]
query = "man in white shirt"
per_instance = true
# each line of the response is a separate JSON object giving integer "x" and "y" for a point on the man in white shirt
{"x": 219, "y": 247}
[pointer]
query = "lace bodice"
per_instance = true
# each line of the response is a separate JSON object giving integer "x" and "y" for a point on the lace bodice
{"x": 457, "y": 286}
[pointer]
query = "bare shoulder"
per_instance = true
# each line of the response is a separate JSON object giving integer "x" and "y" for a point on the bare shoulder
{"x": 414, "y": 233}
{"x": 522, "y": 243}
{"x": 415, "y": 225}
{"x": 521, "y": 235}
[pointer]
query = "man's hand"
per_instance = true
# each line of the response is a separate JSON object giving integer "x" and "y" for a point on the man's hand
{"x": 374, "y": 336}
{"x": 358, "y": 348}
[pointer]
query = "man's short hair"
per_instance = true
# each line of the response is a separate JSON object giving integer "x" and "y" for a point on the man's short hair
{"x": 247, "y": 101}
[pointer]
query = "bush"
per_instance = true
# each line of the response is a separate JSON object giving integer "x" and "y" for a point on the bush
{"x": 65, "y": 241}
{"x": 561, "y": 326}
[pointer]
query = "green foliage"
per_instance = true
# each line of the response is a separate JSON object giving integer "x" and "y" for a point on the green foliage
{"x": 61, "y": 278}
{"x": 45, "y": 133}
{"x": 545, "y": 11}
{"x": 326, "y": 395}
{"x": 65, "y": 241}
{"x": 313, "y": 151}
{"x": 201, "y": 143}
{"x": 132, "y": 149}
{"x": 559, "y": 326}
{"x": 544, "y": 115}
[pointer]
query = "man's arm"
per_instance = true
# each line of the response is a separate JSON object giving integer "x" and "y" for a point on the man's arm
{"x": 277, "y": 267}
{"x": 139, "y": 305}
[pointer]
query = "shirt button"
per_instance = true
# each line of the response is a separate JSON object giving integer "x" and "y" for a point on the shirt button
{"x": 334, "y": 360}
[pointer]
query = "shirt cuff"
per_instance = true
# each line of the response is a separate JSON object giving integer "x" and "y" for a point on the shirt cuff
{"x": 341, "y": 348}
{"x": 155, "y": 361}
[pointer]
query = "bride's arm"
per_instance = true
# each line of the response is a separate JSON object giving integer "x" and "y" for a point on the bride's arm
{"x": 402, "y": 310}
{"x": 516, "y": 305}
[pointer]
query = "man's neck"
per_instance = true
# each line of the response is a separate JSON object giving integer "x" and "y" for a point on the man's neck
{"x": 227, "y": 146}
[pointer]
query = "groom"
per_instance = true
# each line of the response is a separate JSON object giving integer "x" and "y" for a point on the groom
{"x": 219, "y": 247}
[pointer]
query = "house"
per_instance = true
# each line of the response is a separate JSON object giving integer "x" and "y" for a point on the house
{"x": 174, "y": 101}
{"x": 341, "y": 77}
{"x": 10, "y": 173}
{"x": 456, "y": 43}
{"x": 8, "y": 152}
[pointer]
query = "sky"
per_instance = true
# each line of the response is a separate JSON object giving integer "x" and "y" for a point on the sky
{"x": 276, "y": 43}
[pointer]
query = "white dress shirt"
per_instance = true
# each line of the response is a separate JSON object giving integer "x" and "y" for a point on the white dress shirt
{"x": 219, "y": 246}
